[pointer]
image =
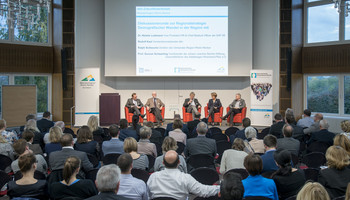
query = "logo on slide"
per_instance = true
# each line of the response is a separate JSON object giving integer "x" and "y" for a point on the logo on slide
{"x": 253, "y": 75}
{"x": 267, "y": 115}
{"x": 88, "y": 78}
{"x": 221, "y": 69}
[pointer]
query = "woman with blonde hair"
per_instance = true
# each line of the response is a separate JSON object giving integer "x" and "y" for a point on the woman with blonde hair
{"x": 54, "y": 136}
{"x": 233, "y": 158}
{"x": 169, "y": 143}
{"x": 342, "y": 141}
{"x": 86, "y": 143}
{"x": 38, "y": 137}
{"x": 345, "y": 126}
{"x": 313, "y": 191}
{"x": 337, "y": 176}
{"x": 140, "y": 161}
{"x": 95, "y": 129}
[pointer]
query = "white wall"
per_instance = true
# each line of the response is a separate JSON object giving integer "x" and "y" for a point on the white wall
{"x": 89, "y": 52}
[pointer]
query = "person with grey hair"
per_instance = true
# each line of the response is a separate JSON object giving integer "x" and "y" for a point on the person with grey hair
{"x": 177, "y": 133}
{"x": 323, "y": 135}
{"x": 235, "y": 107}
{"x": 61, "y": 125}
{"x": 288, "y": 142}
{"x": 107, "y": 183}
{"x": 192, "y": 105}
{"x": 253, "y": 144}
{"x": 144, "y": 146}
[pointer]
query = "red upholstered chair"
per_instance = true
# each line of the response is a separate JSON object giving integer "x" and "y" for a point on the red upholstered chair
{"x": 216, "y": 115}
{"x": 128, "y": 115}
{"x": 151, "y": 117}
{"x": 238, "y": 117}
{"x": 187, "y": 117}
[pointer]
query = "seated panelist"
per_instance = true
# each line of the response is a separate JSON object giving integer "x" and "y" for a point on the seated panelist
{"x": 192, "y": 104}
{"x": 214, "y": 106}
{"x": 235, "y": 107}
{"x": 154, "y": 105}
{"x": 134, "y": 104}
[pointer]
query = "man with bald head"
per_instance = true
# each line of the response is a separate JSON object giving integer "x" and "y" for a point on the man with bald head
{"x": 154, "y": 105}
{"x": 173, "y": 183}
{"x": 288, "y": 142}
{"x": 315, "y": 127}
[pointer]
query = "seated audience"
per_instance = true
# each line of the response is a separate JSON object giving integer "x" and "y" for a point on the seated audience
{"x": 70, "y": 186}
{"x": 177, "y": 133}
{"x": 140, "y": 161}
{"x": 315, "y": 127}
{"x": 55, "y": 135}
{"x": 343, "y": 142}
{"x": 144, "y": 146}
{"x": 306, "y": 121}
{"x": 288, "y": 142}
{"x": 28, "y": 187}
{"x": 191, "y": 125}
{"x": 95, "y": 129}
{"x": 107, "y": 183}
{"x": 156, "y": 136}
{"x": 135, "y": 126}
{"x": 130, "y": 187}
{"x": 255, "y": 184}
{"x": 21, "y": 148}
{"x": 241, "y": 133}
{"x": 345, "y": 127}
{"x": 44, "y": 124}
{"x": 29, "y": 137}
{"x": 169, "y": 127}
{"x": 173, "y": 183}
{"x": 337, "y": 176}
{"x": 323, "y": 135}
{"x": 58, "y": 158}
{"x": 38, "y": 136}
{"x": 28, "y": 117}
{"x": 58, "y": 125}
{"x": 298, "y": 131}
{"x": 86, "y": 143}
{"x": 313, "y": 191}
{"x": 269, "y": 163}
{"x": 254, "y": 145}
{"x": 9, "y": 136}
{"x": 231, "y": 187}
{"x": 61, "y": 125}
{"x": 114, "y": 145}
{"x": 276, "y": 128}
{"x": 288, "y": 180}
{"x": 233, "y": 158}
{"x": 6, "y": 148}
{"x": 125, "y": 132}
{"x": 169, "y": 143}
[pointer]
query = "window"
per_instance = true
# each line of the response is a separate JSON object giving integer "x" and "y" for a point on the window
{"x": 4, "y": 80}
{"x": 347, "y": 27}
{"x": 347, "y": 94}
{"x": 4, "y": 30}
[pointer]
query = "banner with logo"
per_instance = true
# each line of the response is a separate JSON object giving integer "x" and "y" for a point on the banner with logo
{"x": 261, "y": 97}
{"x": 87, "y": 91}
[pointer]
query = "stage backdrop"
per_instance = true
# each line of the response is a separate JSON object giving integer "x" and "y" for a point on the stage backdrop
{"x": 261, "y": 88}
{"x": 87, "y": 91}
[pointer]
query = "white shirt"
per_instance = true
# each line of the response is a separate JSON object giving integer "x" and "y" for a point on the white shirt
{"x": 178, "y": 185}
{"x": 237, "y": 104}
{"x": 135, "y": 102}
{"x": 132, "y": 188}
{"x": 192, "y": 103}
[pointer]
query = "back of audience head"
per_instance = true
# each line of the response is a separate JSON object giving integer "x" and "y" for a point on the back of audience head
{"x": 246, "y": 122}
{"x": 270, "y": 141}
{"x": 169, "y": 143}
{"x": 124, "y": 162}
{"x": 60, "y": 124}
{"x": 84, "y": 135}
{"x": 287, "y": 130}
{"x": 231, "y": 187}
{"x": 30, "y": 116}
{"x": 345, "y": 126}
{"x": 55, "y": 134}
{"x": 324, "y": 124}
{"x": 67, "y": 140}
{"x": 2, "y": 139}
{"x": 130, "y": 145}
{"x": 31, "y": 125}
{"x": 171, "y": 159}
{"x": 283, "y": 158}
{"x": 290, "y": 119}
{"x": 145, "y": 132}
{"x": 123, "y": 124}
{"x": 177, "y": 116}
{"x": 113, "y": 130}
{"x": 250, "y": 132}
{"x": 313, "y": 191}
{"x": 253, "y": 164}
{"x": 177, "y": 124}
{"x": 342, "y": 141}
{"x": 92, "y": 123}
{"x": 318, "y": 117}
{"x": 27, "y": 163}
{"x": 307, "y": 112}
{"x": 2, "y": 124}
{"x": 202, "y": 128}
{"x": 21, "y": 146}
{"x": 150, "y": 124}
{"x": 47, "y": 115}
{"x": 238, "y": 144}
{"x": 337, "y": 158}
{"x": 107, "y": 178}
{"x": 28, "y": 135}
{"x": 71, "y": 168}
{"x": 278, "y": 117}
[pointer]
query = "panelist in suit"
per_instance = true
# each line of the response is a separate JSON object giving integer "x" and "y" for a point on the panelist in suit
{"x": 134, "y": 104}
{"x": 192, "y": 105}
{"x": 235, "y": 107}
{"x": 214, "y": 106}
{"x": 155, "y": 105}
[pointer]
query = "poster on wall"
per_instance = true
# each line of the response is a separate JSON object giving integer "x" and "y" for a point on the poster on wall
{"x": 261, "y": 88}
{"x": 87, "y": 91}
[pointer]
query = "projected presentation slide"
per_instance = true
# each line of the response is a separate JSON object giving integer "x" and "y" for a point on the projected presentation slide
{"x": 182, "y": 41}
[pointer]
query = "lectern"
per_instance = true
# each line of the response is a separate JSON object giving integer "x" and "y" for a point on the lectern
{"x": 109, "y": 108}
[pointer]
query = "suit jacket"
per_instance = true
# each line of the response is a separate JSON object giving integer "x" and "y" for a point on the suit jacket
{"x": 241, "y": 103}
{"x": 313, "y": 128}
{"x": 298, "y": 132}
{"x": 107, "y": 196}
{"x": 322, "y": 136}
{"x": 130, "y": 103}
{"x": 150, "y": 103}
{"x": 216, "y": 104}
{"x": 192, "y": 125}
{"x": 335, "y": 181}
{"x": 269, "y": 163}
{"x": 200, "y": 145}
{"x": 35, "y": 148}
{"x": 195, "y": 102}
{"x": 276, "y": 129}
{"x": 44, "y": 125}
{"x": 290, "y": 144}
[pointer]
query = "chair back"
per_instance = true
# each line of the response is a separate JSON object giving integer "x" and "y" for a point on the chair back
{"x": 317, "y": 147}
{"x": 219, "y": 137}
{"x": 94, "y": 161}
{"x": 164, "y": 198}
{"x": 221, "y": 147}
{"x": 257, "y": 198}
{"x": 161, "y": 130}
{"x": 292, "y": 198}
{"x": 110, "y": 158}
{"x": 151, "y": 160}
{"x": 140, "y": 174}
{"x": 4, "y": 178}
{"x": 180, "y": 148}
{"x": 106, "y": 131}
{"x": 314, "y": 160}
{"x": 242, "y": 172}
{"x": 55, "y": 176}
{"x": 37, "y": 175}
{"x": 69, "y": 131}
{"x": 311, "y": 174}
{"x": 231, "y": 131}
{"x": 206, "y": 176}
{"x": 5, "y": 162}
{"x": 215, "y": 130}
{"x": 295, "y": 160}
{"x": 263, "y": 133}
{"x": 200, "y": 160}
{"x": 98, "y": 139}
{"x": 339, "y": 198}
{"x": 91, "y": 175}
{"x": 208, "y": 198}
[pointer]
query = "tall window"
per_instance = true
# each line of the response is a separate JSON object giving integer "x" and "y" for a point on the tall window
{"x": 4, "y": 80}
{"x": 347, "y": 94}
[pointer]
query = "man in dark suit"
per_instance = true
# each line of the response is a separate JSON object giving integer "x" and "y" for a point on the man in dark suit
{"x": 288, "y": 142}
{"x": 134, "y": 104}
{"x": 235, "y": 107}
{"x": 323, "y": 135}
{"x": 192, "y": 104}
{"x": 58, "y": 158}
{"x": 169, "y": 127}
{"x": 276, "y": 128}
{"x": 193, "y": 124}
{"x": 241, "y": 133}
{"x": 269, "y": 164}
{"x": 154, "y": 105}
{"x": 45, "y": 123}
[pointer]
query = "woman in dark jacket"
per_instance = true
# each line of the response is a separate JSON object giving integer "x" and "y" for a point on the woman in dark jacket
{"x": 214, "y": 106}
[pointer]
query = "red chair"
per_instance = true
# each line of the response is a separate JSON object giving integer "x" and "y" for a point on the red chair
{"x": 238, "y": 117}
{"x": 187, "y": 117}
{"x": 216, "y": 115}
{"x": 151, "y": 117}
{"x": 128, "y": 115}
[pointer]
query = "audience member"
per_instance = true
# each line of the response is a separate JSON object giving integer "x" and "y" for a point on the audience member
{"x": 269, "y": 164}
{"x": 156, "y": 136}
{"x": 191, "y": 125}
{"x": 38, "y": 136}
{"x": 231, "y": 187}
{"x": 288, "y": 180}
{"x": 28, "y": 117}
{"x": 298, "y": 132}
{"x": 169, "y": 143}
{"x": 233, "y": 158}
{"x": 29, "y": 137}
{"x": 343, "y": 142}
{"x": 107, "y": 183}
{"x": 288, "y": 142}
{"x": 86, "y": 143}
{"x": 255, "y": 184}
{"x": 276, "y": 128}
{"x": 70, "y": 186}
{"x": 241, "y": 133}
{"x": 177, "y": 133}
{"x": 173, "y": 183}
{"x": 95, "y": 129}
{"x": 306, "y": 121}
{"x": 313, "y": 191}
{"x": 347, "y": 194}
{"x": 58, "y": 158}
{"x": 114, "y": 145}
{"x": 315, "y": 126}
{"x": 125, "y": 132}
{"x": 55, "y": 135}
{"x": 9, "y": 136}
{"x": 140, "y": 161}
{"x": 135, "y": 126}
{"x": 61, "y": 125}
{"x": 144, "y": 146}
{"x": 21, "y": 148}
{"x": 28, "y": 187}
{"x": 6, "y": 148}
{"x": 53, "y": 130}
{"x": 323, "y": 135}
{"x": 345, "y": 127}
{"x": 169, "y": 127}
{"x": 337, "y": 176}
{"x": 253, "y": 144}
{"x": 44, "y": 124}
{"x": 130, "y": 187}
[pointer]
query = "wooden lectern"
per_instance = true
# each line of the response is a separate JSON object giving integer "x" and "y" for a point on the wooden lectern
{"x": 109, "y": 109}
